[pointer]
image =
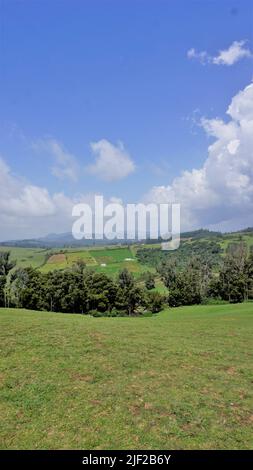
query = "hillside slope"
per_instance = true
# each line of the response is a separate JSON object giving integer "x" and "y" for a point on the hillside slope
{"x": 136, "y": 257}
{"x": 181, "y": 379}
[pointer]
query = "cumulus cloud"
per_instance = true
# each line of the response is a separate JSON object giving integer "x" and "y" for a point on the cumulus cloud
{"x": 230, "y": 56}
{"x": 28, "y": 211}
{"x": 235, "y": 52}
{"x": 217, "y": 195}
{"x": 65, "y": 164}
{"x": 112, "y": 161}
{"x": 21, "y": 199}
{"x": 222, "y": 189}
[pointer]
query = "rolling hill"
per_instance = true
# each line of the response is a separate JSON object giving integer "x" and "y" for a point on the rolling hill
{"x": 137, "y": 257}
{"x": 181, "y": 379}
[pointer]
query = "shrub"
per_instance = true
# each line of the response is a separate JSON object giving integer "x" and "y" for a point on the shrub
{"x": 155, "y": 301}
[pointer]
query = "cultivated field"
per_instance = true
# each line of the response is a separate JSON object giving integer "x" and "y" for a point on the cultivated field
{"x": 112, "y": 259}
{"x": 109, "y": 260}
{"x": 181, "y": 379}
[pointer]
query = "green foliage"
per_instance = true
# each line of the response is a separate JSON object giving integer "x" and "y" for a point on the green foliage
{"x": 196, "y": 282}
{"x": 149, "y": 280}
{"x": 6, "y": 265}
{"x": 188, "y": 286}
{"x": 155, "y": 301}
{"x": 79, "y": 288}
{"x": 236, "y": 276}
{"x": 208, "y": 250}
{"x": 76, "y": 290}
{"x": 110, "y": 313}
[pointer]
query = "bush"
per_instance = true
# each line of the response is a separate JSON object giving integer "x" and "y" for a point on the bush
{"x": 213, "y": 301}
{"x": 110, "y": 314}
{"x": 155, "y": 301}
{"x": 96, "y": 313}
{"x": 150, "y": 281}
{"x": 147, "y": 314}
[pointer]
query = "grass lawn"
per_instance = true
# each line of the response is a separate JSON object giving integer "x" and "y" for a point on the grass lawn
{"x": 180, "y": 380}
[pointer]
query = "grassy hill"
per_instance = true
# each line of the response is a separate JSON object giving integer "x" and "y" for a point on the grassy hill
{"x": 179, "y": 380}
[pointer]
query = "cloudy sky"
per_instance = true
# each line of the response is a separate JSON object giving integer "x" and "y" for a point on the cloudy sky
{"x": 136, "y": 100}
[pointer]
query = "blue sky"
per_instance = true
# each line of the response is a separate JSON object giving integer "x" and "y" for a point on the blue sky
{"x": 77, "y": 72}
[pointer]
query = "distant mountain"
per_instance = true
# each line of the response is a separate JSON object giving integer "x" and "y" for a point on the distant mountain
{"x": 246, "y": 230}
{"x": 201, "y": 233}
{"x": 54, "y": 240}
{"x": 63, "y": 240}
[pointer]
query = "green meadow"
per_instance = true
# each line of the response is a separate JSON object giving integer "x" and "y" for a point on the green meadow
{"x": 181, "y": 379}
{"x": 26, "y": 257}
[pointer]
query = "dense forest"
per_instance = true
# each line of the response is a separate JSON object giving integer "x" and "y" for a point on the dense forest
{"x": 197, "y": 282}
{"x": 208, "y": 250}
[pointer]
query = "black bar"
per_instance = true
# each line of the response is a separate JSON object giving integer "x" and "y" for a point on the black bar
{"x": 126, "y": 459}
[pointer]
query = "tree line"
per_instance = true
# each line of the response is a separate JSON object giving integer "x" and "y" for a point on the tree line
{"x": 75, "y": 290}
{"x": 208, "y": 250}
{"x": 81, "y": 290}
{"x": 197, "y": 282}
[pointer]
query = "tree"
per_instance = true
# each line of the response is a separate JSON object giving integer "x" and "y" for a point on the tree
{"x": 234, "y": 282}
{"x": 249, "y": 275}
{"x": 168, "y": 272}
{"x": 155, "y": 301}
{"x": 101, "y": 292}
{"x": 6, "y": 265}
{"x": 129, "y": 296}
{"x": 149, "y": 281}
{"x": 235, "y": 274}
{"x": 34, "y": 290}
{"x": 125, "y": 279}
{"x": 186, "y": 286}
{"x": 18, "y": 282}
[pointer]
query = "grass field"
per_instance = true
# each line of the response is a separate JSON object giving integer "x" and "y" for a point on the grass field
{"x": 180, "y": 380}
{"x": 26, "y": 257}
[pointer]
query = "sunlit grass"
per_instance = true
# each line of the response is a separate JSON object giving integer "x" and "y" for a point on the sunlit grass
{"x": 181, "y": 379}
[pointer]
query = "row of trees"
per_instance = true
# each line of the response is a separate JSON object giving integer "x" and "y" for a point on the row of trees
{"x": 197, "y": 282}
{"x": 77, "y": 290}
{"x": 208, "y": 250}
{"x": 81, "y": 290}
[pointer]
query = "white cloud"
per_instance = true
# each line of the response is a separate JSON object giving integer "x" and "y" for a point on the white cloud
{"x": 222, "y": 189}
{"x": 230, "y": 56}
{"x": 201, "y": 56}
{"x": 65, "y": 164}
{"x": 218, "y": 195}
{"x": 32, "y": 200}
{"x": 112, "y": 161}
{"x": 235, "y": 52}
{"x": 17, "y": 198}
{"x": 28, "y": 211}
